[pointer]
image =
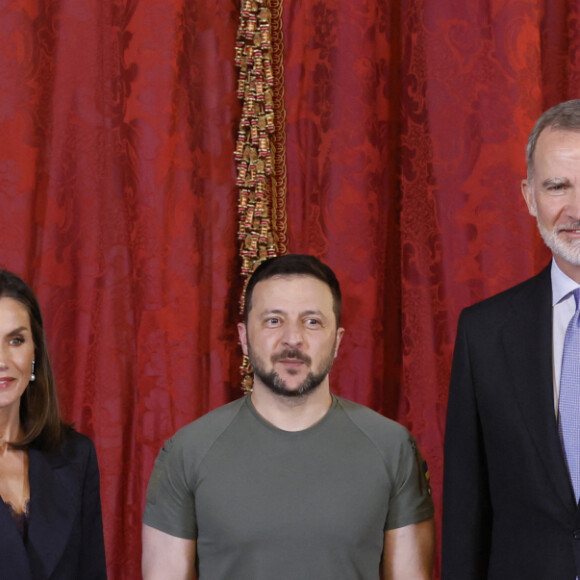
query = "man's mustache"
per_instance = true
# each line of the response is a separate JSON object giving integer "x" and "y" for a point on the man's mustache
{"x": 568, "y": 227}
{"x": 290, "y": 353}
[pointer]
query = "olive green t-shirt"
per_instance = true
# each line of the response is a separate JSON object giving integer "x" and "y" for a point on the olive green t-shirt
{"x": 265, "y": 504}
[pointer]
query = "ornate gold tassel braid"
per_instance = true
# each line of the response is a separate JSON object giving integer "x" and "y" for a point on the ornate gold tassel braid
{"x": 260, "y": 151}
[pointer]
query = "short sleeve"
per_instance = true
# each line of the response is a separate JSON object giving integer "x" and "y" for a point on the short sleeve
{"x": 410, "y": 500}
{"x": 170, "y": 503}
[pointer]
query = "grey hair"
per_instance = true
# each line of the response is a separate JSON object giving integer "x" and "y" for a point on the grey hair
{"x": 564, "y": 116}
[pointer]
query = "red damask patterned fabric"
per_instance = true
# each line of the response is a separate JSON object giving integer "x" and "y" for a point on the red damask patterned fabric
{"x": 119, "y": 207}
{"x": 406, "y": 127}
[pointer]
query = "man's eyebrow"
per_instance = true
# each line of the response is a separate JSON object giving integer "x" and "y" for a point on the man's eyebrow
{"x": 303, "y": 313}
{"x": 310, "y": 312}
{"x": 272, "y": 311}
{"x": 555, "y": 181}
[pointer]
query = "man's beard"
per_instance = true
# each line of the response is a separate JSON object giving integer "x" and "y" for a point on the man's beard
{"x": 568, "y": 251}
{"x": 278, "y": 386}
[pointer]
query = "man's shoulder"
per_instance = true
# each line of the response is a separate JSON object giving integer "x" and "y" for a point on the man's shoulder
{"x": 209, "y": 426}
{"x": 524, "y": 294}
{"x": 373, "y": 424}
{"x": 391, "y": 441}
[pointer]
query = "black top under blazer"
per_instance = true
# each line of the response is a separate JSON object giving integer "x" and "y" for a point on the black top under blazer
{"x": 65, "y": 530}
{"x": 508, "y": 505}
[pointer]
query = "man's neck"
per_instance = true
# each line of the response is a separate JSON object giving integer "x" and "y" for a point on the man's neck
{"x": 292, "y": 413}
{"x": 571, "y": 270}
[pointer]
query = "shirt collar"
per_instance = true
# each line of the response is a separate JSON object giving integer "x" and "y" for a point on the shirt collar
{"x": 562, "y": 285}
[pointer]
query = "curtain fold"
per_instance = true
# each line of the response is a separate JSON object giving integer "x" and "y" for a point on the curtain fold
{"x": 406, "y": 124}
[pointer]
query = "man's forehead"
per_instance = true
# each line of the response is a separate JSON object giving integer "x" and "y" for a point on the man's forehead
{"x": 554, "y": 146}
{"x": 299, "y": 278}
{"x": 296, "y": 286}
{"x": 552, "y": 135}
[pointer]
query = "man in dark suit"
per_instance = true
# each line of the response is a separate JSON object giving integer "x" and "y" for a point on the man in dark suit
{"x": 510, "y": 507}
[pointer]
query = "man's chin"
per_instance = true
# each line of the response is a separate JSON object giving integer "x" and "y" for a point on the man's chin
{"x": 565, "y": 248}
{"x": 293, "y": 392}
{"x": 569, "y": 253}
{"x": 293, "y": 388}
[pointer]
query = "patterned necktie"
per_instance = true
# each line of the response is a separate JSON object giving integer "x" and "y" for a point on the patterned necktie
{"x": 569, "y": 399}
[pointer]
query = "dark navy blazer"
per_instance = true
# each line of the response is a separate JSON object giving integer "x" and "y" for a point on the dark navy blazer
{"x": 508, "y": 504}
{"x": 65, "y": 530}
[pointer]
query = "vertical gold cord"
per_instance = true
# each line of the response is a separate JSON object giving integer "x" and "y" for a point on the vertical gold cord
{"x": 260, "y": 145}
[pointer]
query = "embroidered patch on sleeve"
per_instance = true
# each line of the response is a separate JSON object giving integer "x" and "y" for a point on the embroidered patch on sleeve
{"x": 427, "y": 476}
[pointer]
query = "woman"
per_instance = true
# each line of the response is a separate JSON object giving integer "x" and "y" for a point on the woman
{"x": 50, "y": 509}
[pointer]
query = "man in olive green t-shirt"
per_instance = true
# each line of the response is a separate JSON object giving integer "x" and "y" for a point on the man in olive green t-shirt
{"x": 290, "y": 482}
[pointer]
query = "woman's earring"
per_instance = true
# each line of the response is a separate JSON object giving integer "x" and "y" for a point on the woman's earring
{"x": 32, "y": 375}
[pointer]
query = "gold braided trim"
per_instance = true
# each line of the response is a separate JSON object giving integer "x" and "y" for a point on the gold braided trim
{"x": 279, "y": 183}
{"x": 260, "y": 152}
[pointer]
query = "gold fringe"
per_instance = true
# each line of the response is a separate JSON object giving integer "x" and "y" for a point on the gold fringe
{"x": 279, "y": 185}
{"x": 260, "y": 152}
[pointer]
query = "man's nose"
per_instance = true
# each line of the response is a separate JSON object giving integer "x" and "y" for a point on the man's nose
{"x": 293, "y": 334}
{"x": 573, "y": 204}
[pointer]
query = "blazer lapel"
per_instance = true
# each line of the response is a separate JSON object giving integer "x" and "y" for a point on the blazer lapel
{"x": 13, "y": 556}
{"x": 53, "y": 504}
{"x": 528, "y": 342}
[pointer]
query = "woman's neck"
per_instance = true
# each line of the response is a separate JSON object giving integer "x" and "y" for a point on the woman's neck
{"x": 10, "y": 428}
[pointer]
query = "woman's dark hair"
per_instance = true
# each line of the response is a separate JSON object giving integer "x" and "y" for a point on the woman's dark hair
{"x": 295, "y": 265}
{"x": 39, "y": 412}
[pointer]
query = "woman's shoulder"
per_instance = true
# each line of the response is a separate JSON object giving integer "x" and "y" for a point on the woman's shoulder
{"x": 77, "y": 442}
{"x": 74, "y": 447}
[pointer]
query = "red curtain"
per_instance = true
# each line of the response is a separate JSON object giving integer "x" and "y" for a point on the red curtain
{"x": 406, "y": 128}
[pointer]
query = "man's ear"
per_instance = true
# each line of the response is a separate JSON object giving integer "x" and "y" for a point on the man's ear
{"x": 528, "y": 193}
{"x": 243, "y": 336}
{"x": 339, "y": 335}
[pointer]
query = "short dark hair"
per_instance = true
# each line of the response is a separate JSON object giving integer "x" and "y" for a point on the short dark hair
{"x": 564, "y": 116}
{"x": 39, "y": 411}
{"x": 295, "y": 265}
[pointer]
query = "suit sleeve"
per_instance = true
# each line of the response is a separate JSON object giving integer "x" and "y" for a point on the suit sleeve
{"x": 92, "y": 555}
{"x": 467, "y": 516}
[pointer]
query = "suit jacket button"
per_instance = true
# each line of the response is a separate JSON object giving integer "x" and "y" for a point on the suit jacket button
{"x": 576, "y": 534}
